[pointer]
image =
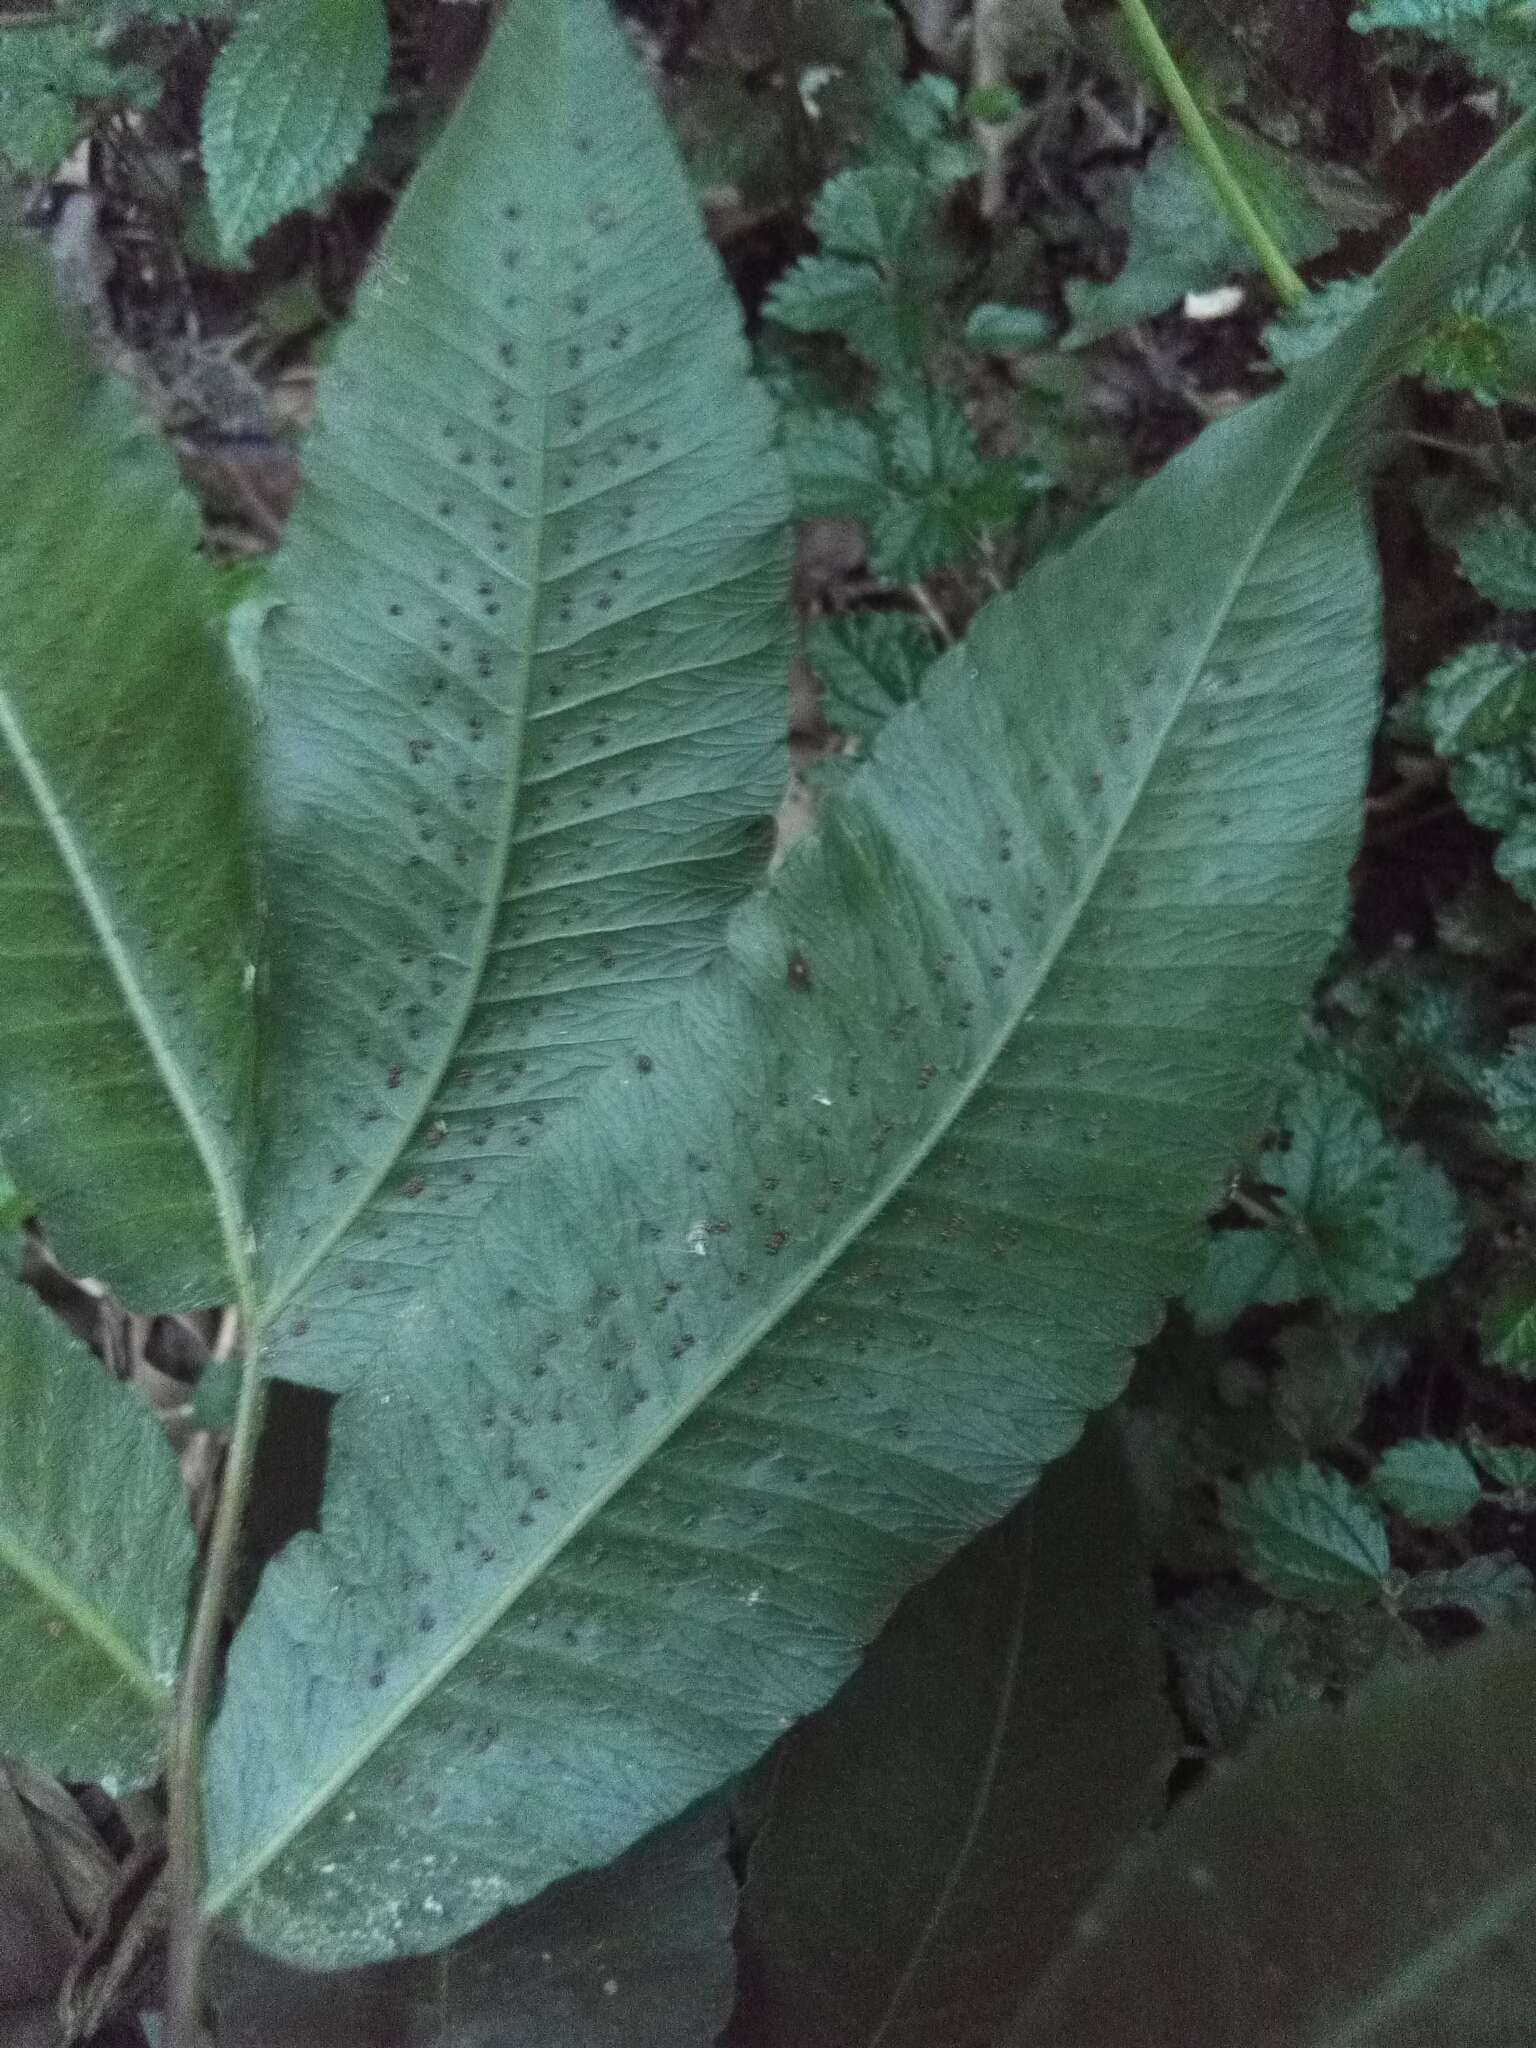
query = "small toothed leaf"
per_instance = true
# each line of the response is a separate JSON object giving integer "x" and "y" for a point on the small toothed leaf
{"x": 1306, "y": 1535}
{"x": 289, "y": 104}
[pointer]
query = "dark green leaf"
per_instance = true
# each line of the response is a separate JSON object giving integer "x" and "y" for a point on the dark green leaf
{"x": 637, "y": 1955}
{"x": 1498, "y": 555}
{"x": 1004, "y": 1741}
{"x": 1306, "y": 1535}
{"x": 869, "y": 662}
{"x": 1496, "y": 1588}
{"x": 1428, "y": 1480}
{"x": 1364, "y": 1878}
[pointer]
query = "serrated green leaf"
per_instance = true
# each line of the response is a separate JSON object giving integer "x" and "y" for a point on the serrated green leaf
{"x": 1361, "y": 1878}
{"x": 1238, "y": 1667}
{"x": 636, "y": 1955}
{"x": 289, "y": 104}
{"x": 1485, "y": 696}
{"x": 1316, "y": 320}
{"x": 1182, "y": 240}
{"x": 1320, "y": 1391}
{"x": 886, "y": 1201}
{"x": 1509, "y": 1329}
{"x": 1487, "y": 342}
{"x": 1004, "y": 1741}
{"x": 1362, "y": 1220}
{"x": 1428, "y": 1480}
{"x": 1509, "y": 1089}
{"x": 96, "y": 1556}
{"x": 879, "y": 266}
{"x": 1496, "y": 1588}
{"x": 521, "y": 669}
{"x": 127, "y": 916}
{"x": 1498, "y": 556}
{"x": 1305, "y": 1534}
{"x": 869, "y": 662}
{"x": 1511, "y": 1465}
{"x": 44, "y": 73}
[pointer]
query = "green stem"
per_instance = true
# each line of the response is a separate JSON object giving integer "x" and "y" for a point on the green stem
{"x": 184, "y": 1825}
{"x": 1207, "y": 150}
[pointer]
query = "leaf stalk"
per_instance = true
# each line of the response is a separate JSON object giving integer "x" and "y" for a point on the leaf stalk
{"x": 1207, "y": 151}
{"x": 184, "y": 1825}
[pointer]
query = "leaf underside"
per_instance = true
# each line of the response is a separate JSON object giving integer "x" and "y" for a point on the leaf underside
{"x": 522, "y": 679}
{"x": 126, "y": 907}
{"x": 885, "y": 1202}
{"x": 96, "y": 1555}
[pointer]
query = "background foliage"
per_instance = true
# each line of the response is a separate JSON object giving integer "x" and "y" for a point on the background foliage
{"x": 989, "y": 287}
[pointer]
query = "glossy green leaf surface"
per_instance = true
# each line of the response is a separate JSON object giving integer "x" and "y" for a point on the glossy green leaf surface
{"x": 521, "y": 676}
{"x": 932, "y": 1834}
{"x": 127, "y": 920}
{"x": 289, "y": 103}
{"x": 1368, "y": 1878}
{"x": 885, "y": 1203}
{"x": 96, "y": 1555}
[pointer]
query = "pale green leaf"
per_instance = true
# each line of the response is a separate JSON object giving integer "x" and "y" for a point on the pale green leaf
{"x": 1428, "y": 1480}
{"x": 1306, "y": 1535}
{"x": 96, "y": 1555}
{"x": 289, "y": 104}
{"x": 1002, "y": 1744}
{"x": 1365, "y": 1878}
{"x": 1361, "y": 1219}
{"x": 521, "y": 669}
{"x": 127, "y": 916}
{"x": 886, "y": 1202}
{"x": 636, "y": 1955}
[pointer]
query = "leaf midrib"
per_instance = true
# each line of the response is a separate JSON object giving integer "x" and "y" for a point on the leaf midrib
{"x": 221, "y": 1897}
{"x": 287, "y": 1285}
{"x": 88, "y": 1622}
{"x": 228, "y": 1206}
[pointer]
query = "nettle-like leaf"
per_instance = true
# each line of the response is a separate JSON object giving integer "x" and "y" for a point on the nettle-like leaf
{"x": 127, "y": 911}
{"x": 520, "y": 676}
{"x": 1478, "y": 710}
{"x": 96, "y": 1555}
{"x": 1374, "y": 1871}
{"x": 1509, "y": 1089}
{"x": 1494, "y": 37}
{"x": 839, "y": 1253}
{"x": 1361, "y": 1220}
{"x": 1508, "y": 1328}
{"x": 911, "y": 472}
{"x": 1428, "y": 1480}
{"x": 1487, "y": 342}
{"x": 1498, "y": 556}
{"x": 1483, "y": 696}
{"x": 869, "y": 662}
{"x": 1306, "y": 1535}
{"x": 1004, "y": 1742}
{"x": 1495, "y": 1588}
{"x": 290, "y": 101}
